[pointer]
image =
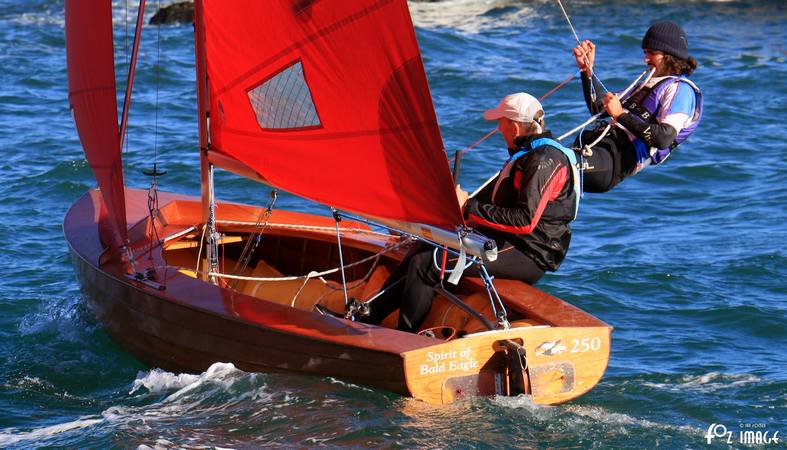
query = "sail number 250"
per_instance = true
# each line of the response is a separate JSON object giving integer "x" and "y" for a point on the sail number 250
{"x": 586, "y": 344}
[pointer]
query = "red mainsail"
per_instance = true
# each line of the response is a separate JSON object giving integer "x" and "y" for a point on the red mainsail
{"x": 329, "y": 100}
{"x": 92, "y": 95}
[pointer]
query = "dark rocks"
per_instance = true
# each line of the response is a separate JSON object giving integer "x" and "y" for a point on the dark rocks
{"x": 181, "y": 12}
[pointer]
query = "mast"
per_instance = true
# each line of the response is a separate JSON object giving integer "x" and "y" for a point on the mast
{"x": 131, "y": 71}
{"x": 203, "y": 108}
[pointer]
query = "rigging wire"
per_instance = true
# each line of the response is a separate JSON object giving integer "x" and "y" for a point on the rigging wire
{"x": 587, "y": 62}
{"x": 254, "y": 241}
{"x": 126, "y": 23}
{"x": 158, "y": 87}
{"x": 124, "y": 166}
{"x": 153, "y": 203}
{"x": 338, "y": 218}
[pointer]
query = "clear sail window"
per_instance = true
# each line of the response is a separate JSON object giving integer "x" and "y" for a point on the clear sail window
{"x": 284, "y": 101}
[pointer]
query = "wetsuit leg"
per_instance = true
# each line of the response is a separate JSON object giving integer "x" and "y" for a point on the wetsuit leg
{"x": 418, "y": 293}
{"x": 610, "y": 162}
{"x": 390, "y": 300}
{"x": 422, "y": 276}
{"x": 514, "y": 265}
{"x": 599, "y": 168}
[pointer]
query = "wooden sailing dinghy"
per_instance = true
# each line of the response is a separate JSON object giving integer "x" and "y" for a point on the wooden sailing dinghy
{"x": 327, "y": 100}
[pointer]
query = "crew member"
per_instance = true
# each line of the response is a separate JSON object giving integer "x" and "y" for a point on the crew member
{"x": 527, "y": 212}
{"x": 652, "y": 121}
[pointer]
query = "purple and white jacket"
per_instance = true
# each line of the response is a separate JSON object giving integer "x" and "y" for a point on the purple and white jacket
{"x": 672, "y": 100}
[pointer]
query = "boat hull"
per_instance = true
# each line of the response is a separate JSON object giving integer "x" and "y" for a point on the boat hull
{"x": 175, "y": 337}
{"x": 183, "y": 324}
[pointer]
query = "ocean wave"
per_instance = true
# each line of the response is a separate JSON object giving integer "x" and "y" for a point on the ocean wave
{"x": 49, "y": 17}
{"x": 333, "y": 380}
{"x": 157, "y": 381}
{"x": 582, "y": 416}
{"x": 11, "y": 436}
{"x": 219, "y": 375}
{"x": 602, "y": 415}
{"x": 38, "y": 386}
{"x": 189, "y": 401}
{"x": 706, "y": 383}
{"x": 469, "y": 16}
{"x": 163, "y": 444}
{"x": 525, "y": 402}
{"x": 61, "y": 316}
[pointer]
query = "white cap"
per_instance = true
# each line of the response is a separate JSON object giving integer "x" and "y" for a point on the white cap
{"x": 520, "y": 107}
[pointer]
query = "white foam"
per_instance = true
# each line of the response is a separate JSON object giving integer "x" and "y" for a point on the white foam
{"x": 217, "y": 378}
{"x": 157, "y": 380}
{"x": 59, "y": 316}
{"x": 38, "y": 385}
{"x": 33, "y": 382}
{"x": 11, "y": 436}
{"x": 161, "y": 444}
{"x": 600, "y": 415}
{"x": 221, "y": 373}
{"x": 579, "y": 416}
{"x": 52, "y": 17}
{"x": 709, "y": 382}
{"x": 519, "y": 402}
{"x": 333, "y": 380}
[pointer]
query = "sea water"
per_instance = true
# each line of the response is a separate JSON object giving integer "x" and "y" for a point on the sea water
{"x": 686, "y": 261}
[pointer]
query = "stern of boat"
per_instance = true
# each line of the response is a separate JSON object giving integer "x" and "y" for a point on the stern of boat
{"x": 551, "y": 364}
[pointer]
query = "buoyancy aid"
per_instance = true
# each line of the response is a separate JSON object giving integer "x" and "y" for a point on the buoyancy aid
{"x": 646, "y": 107}
{"x": 570, "y": 154}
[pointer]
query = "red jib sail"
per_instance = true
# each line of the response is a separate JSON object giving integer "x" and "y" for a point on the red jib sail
{"x": 329, "y": 100}
{"x": 91, "y": 92}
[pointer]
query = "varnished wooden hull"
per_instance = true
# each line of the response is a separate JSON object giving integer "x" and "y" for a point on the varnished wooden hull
{"x": 176, "y": 337}
{"x": 181, "y": 323}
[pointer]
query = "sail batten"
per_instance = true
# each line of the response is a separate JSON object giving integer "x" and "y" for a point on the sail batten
{"x": 92, "y": 96}
{"x": 329, "y": 101}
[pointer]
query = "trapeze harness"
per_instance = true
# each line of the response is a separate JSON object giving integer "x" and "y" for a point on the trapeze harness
{"x": 645, "y": 106}
{"x": 570, "y": 154}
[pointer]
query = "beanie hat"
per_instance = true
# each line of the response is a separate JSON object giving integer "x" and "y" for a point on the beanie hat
{"x": 667, "y": 37}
